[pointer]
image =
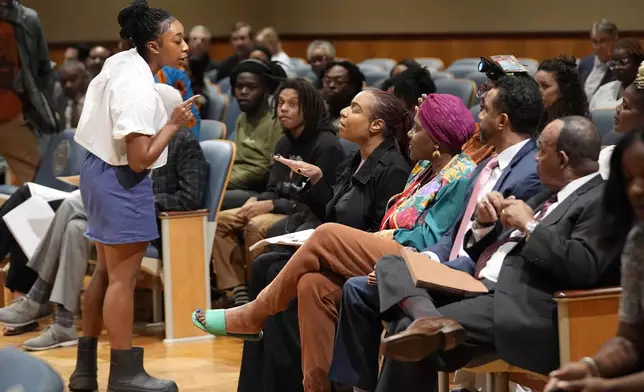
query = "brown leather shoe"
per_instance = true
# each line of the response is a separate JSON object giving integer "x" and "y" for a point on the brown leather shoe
{"x": 423, "y": 337}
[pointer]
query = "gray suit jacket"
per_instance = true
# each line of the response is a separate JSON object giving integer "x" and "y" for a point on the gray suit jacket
{"x": 563, "y": 253}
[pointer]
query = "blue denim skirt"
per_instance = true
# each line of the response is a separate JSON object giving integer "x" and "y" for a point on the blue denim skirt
{"x": 119, "y": 203}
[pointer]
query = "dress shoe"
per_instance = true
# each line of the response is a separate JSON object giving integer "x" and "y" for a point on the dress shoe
{"x": 423, "y": 337}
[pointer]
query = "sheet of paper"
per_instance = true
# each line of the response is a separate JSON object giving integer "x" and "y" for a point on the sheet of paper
{"x": 47, "y": 193}
{"x": 294, "y": 239}
{"x": 29, "y": 223}
{"x": 437, "y": 276}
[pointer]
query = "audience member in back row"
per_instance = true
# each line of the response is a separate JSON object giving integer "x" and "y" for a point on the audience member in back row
{"x": 319, "y": 53}
{"x": 256, "y": 130}
{"x": 404, "y": 65}
{"x": 629, "y": 116}
{"x": 261, "y": 53}
{"x": 628, "y": 54}
{"x": 69, "y": 93}
{"x": 415, "y": 218}
{"x": 241, "y": 39}
{"x": 617, "y": 365}
{"x": 307, "y": 137}
{"x": 529, "y": 249}
{"x": 561, "y": 90}
{"x": 593, "y": 70}
{"x": 200, "y": 65}
{"x": 61, "y": 258}
{"x": 341, "y": 81}
{"x": 96, "y": 59}
{"x": 410, "y": 85}
{"x": 269, "y": 38}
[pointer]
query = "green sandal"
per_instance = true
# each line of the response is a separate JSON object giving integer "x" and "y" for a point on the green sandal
{"x": 216, "y": 325}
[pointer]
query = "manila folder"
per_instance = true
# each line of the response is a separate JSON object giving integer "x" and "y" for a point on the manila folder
{"x": 430, "y": 274}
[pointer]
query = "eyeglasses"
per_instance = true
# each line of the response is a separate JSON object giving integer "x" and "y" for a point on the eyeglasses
{"x": 619, "y": 62}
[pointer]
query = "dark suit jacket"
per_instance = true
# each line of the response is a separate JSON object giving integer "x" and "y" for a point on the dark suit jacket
{"x": 563, "y": 253}
{"x": 586, "y": 66}
{"x": 519, "y": 179}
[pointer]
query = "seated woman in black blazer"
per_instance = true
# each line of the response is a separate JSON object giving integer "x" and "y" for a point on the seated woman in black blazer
{"x": 378, "y": 123}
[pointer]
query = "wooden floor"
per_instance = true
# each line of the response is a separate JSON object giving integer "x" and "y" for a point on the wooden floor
{"x": 207, "y": 365}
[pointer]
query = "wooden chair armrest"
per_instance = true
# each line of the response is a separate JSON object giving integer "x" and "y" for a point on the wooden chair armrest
{"x": 587, "y": 294}
{"x": 183, "y": 214}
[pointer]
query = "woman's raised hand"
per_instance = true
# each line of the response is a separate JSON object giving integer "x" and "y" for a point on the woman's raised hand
{"x": 312, "y": 172}
{"x": 182, "y": 113}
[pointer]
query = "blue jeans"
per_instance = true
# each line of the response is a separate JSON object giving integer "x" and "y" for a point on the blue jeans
{"x": 357, "y": 342}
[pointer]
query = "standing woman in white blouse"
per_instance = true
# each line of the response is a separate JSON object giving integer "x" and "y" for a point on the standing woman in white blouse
{"x": 126, "y": 130}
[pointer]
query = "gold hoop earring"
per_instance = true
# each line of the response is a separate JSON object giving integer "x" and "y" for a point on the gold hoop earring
{"x": 436, "y": 153}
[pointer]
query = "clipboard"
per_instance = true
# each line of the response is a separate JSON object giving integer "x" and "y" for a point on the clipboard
{"x": 71, "y": 180}
{"x": 431, "y": 274}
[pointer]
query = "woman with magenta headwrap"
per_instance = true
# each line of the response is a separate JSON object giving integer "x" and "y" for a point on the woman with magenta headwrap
{"x": 428, "y": 207}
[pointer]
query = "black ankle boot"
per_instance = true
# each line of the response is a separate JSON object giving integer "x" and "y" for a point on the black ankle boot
{"x": 127, "y": 374}
{"x": 84, "y": 377}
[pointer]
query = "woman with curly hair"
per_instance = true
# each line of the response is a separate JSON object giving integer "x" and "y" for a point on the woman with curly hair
{"x": 561, "y": 89}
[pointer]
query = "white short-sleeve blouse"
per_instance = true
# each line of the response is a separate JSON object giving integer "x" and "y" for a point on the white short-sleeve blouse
{"x": 120, "y": 100}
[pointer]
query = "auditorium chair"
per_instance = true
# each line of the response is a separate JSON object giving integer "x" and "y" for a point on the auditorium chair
{"x": 463, "y": 70}
{"x": 384, "y": 63}
{"x": 466, "y": 61}
{"x": 231, "y": 117}
{"x": 181, "y": 270}
{"x": 62, "y": 157}
{"x": 604, "y": 120}
{"x": 461, "y": 88}
{"x": 372, "y": 78}
{"x": 225, "y": 86}
{"x": 440, "y": 75}
{"x": 217, "y": 103}
{"x": 586, "y": 320}
{"x": 212, "y": 130}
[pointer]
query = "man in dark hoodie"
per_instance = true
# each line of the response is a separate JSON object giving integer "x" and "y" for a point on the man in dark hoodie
{"x": 307, "y": 137}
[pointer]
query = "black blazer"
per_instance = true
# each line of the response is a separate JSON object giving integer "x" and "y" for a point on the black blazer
{"x": 586, "y": 66}
{"x": 562, "y": 254}
{"x": 359, "y": 198}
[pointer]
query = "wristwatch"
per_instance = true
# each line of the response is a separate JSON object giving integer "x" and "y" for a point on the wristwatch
{"x": 530, "y": 226}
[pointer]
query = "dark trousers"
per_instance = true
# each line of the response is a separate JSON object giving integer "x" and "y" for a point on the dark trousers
{"x": 235, "y": 198}
{"x": 20, "y": 277}
{"x": 355, "y": 354}
{"x": 356, "y": 346}
{"x": 272, "y": 364}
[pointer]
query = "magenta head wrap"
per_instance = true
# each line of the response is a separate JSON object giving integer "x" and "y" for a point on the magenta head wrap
{"x": 447, "y": 120}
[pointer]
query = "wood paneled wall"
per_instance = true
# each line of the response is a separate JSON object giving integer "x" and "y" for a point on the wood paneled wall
{"x": 447, "y": 47}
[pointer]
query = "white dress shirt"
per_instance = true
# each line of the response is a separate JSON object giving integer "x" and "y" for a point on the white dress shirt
{"x": 504, "y": 159}
{"x": 493, "y": 266}
{"x": 119, "y": 101}
{"x": 606, "y": 96}
{"x": 604, "y": 161}
{"x": 595, "y": 78}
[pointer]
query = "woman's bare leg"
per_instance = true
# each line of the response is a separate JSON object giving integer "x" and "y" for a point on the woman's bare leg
{"x": 123, "y": 263}
{"x": 94, "y": 296}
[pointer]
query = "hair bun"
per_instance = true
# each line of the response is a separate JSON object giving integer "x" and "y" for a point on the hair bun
{"x": 569, "y": 61}
{"x": 129, "y": 15}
